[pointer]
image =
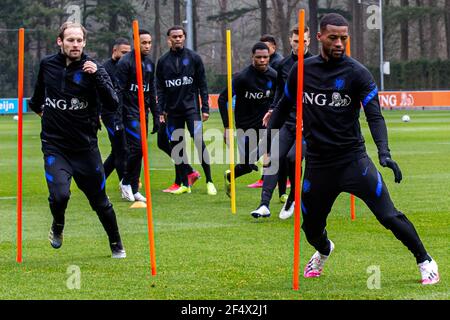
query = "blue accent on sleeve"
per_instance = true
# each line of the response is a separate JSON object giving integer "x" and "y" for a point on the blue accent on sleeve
{"x": 103, "y": 183}
{"x": 286, "y": 92}
{"x": 49, "y": 177}
{"x": 50, "y": 160}
{"x": 306, "y": 185}
{"x": 304, "y": 208}
{"x": 134, "y": 134}
{"x": 269, "y": 84}
{"x": 370, "y": 96}
{"x": 379, "y": 185}
{"x": 134, "y": 123}
{"x": 111, "y": 132}
{"x": 233, "y": 98}
{"x": 169, "y": 131}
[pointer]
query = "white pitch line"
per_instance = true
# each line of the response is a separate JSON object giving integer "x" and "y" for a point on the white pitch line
{"x": 7, "y": 198}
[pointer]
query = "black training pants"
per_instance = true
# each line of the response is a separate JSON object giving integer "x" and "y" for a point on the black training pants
{"x": 321, "y": 187}
{"x": 86, "y": 168}
{"x": 117, "y": 159}
{"x": 175, "y": 131}
{"x": 249, "y": 148}
{"x": 282, "y": 151}
{"x": 165, "y": 145}
{"x": 134, "y": 159}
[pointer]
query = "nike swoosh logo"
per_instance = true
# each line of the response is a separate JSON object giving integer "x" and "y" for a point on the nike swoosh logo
{"x": 365, "y": 171}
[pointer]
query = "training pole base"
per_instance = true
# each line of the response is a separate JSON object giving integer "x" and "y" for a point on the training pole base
{"x": 138, "y": 205}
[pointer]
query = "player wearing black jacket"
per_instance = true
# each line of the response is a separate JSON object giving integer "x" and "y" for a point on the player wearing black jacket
{"x": 254, "y": 88}
{"x": 284, "y": 154}
{"x": 127, "y": 89}
{"x": 275, "y": 56}
{"x": 180, "y": 80}
{"x": 335, "y": 87}
{"x": 65, "y": 95}
{"x": 113, "y": 120}
{"x": 274, "y": 62}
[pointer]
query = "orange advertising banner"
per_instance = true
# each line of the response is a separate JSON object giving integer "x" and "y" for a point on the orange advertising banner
{"x": 414, "y": 99}
{"x": 395, "y": 99}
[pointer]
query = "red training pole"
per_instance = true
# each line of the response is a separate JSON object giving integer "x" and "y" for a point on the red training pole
{"x": 348, "y": 51}
{"x": 148, "y": 195}
{"x": 298, "y": 147}
{"x": 352, "y": 207}
{"x": 20, "y": 143}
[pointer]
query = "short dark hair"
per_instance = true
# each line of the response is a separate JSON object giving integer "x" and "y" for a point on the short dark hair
{"x": 143, "y": 31}
{"x": 176, "y": 27}
{"x": 334, "y": 19}
{"x": 268, "y": 38}
{"x": 259, "y": 46}
{"x": 294, "y": 30}
{"x": 69, "y": 24}
{"x": 121, "y": 41}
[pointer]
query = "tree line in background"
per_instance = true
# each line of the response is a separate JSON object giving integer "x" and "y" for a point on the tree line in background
{"x": 416, "y": 33}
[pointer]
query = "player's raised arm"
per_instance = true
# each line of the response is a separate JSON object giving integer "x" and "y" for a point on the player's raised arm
{"x": 105, "y": 89}
{"x": 371, "y": 105}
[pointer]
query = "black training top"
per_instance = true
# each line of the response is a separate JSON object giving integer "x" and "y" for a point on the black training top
{"x": 67, "y": 96}
{"x": 180, "y": 80}
{"x": 254, "y": 91}
{"x": 275, "y": 60}
{"x": 283, "y": 70}
{"x": 127, "y": 87}
{"x": 334, "y": 92}
{"x": 110, "y": 66}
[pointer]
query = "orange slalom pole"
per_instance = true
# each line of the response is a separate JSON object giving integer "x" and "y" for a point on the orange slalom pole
{"x": 20, "y": 143}
{"x": 348, "y": 51}
{"x": 298, "y": 148}
{"x": 352, "y": 207}
{"x": 230, "y": 122}
{"x": 137, "y": 48}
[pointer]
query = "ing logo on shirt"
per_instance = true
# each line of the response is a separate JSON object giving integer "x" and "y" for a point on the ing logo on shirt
{"x": 134, "y": 87}
{"x": 257, "y": 95}
{"x": 75, "y": 104}
{"x": 322, "y": 99}
{"x": 185, "y": 81}
{"x": 338, "y": 101}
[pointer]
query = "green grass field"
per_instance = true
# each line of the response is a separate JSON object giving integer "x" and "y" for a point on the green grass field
{"x": 205, "y": 252}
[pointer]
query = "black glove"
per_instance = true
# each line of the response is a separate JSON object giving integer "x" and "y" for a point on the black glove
{"x": 156, "y": 125}
{"x": 386, "y": 161}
